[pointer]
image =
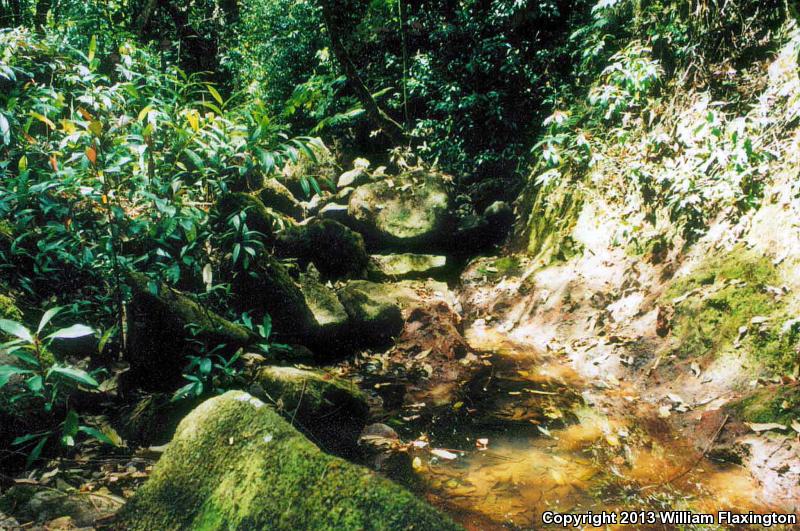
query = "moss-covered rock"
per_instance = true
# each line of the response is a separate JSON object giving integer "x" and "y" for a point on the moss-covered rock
{"x": 409, "y": 211}
{"x": 373, "y": 309}
{"x": 303, "y": 310}
{"x": 330, "y": 410}
{"x": 779, "y": 403}
{"x": 9, "y": 309}
{"x": 406, "y": 265}
{"x": 164, "y": 327}
{"x": 267, "y": 288}
{"x": 335, "y": 250}
{"x": 258, "y": 217}
{"x": 720, "y": 299}
{"x": 236, "y": 464}
{"x": 276, "y": 196}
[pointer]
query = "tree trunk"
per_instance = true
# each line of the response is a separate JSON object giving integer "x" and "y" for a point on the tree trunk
{"x": 147, "y": 11}
{"x": 386, "y": 123}
{"x": 42, "y": 7}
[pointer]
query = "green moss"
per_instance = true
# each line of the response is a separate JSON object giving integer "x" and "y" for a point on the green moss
{"x": 236, "y": 464}
{"x": 730, "y": 293}
{"x": 397, "y": 266}
{"x": 9, "y": 309}
{"x": 258, "y": 217}
{"x": 772, "y": 404}
{"x": 552, "y": 218}
{"x": 335, "y": 250}
{"x": 277, "y": 196}
{"x": 331, "y": 410}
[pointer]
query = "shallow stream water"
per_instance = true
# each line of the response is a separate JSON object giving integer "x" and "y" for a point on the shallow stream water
{"x": 606, "y": 451}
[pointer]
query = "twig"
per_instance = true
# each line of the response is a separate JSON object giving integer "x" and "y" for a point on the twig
{"x": 702, "y": 455}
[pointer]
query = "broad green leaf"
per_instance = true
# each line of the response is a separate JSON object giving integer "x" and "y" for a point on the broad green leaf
{"x": 92, "y": 48}
{"x": 35, "y": 383}
{"x": 16, "y": 329}
{"x": 44, "y": 119}
{"x": 144, "y": 112}
{"x": 75, "y": 375}
{"x": 215, "y": 94}
{"x": 48, "y": 315}
{"x": 76, "y": 330}
{"x": 97, "y": 434}
{"x": 7, "y": 371}
{"x": 36, "y": 452}
{"x": 205, "y": 366}
{"x": 70, "y": 428}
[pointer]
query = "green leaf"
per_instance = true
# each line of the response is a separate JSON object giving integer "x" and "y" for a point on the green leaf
{"x": 7, "y": 371}
{"x": 97, "y": 434}
{"x": 194, "y": 158}
{"x": 35, "y": 383}
{"x": 215, "y": 94}
{"x": 205, "y": 366}
{"x": 48, "y": 315}
{"x": 16, "y": 329}
{"x": 75, "y": 375}
{"x": 36, "y": 452}
{"x": 70, "y": 428}
{"x": 92, "y": 48}
{"x": 71, "y": 332}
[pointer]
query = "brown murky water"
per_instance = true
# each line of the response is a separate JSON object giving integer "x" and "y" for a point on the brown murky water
{"x": 614, "y": 455}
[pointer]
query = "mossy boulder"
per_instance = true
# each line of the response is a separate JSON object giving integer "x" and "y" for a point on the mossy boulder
{"x": 373, "y": 309}
{"x": 406, "y": 265}
{"x": 268, "y": 288}
{"x": 9, "y": 309}
{"x": 335, "y": 250}
{"x": 276, "y": 196}
{"x": 236, "y": 464}
{"x": 302, "y": 310}
{"x": 259, "y": 218}
{"x": 410, "y": 211}
{"x": 164, "y": 327}
{"x": 329, "y": 410}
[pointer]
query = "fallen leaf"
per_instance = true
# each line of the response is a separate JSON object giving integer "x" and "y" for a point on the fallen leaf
{"x": 664, "y": 412}
{"x": 796, "y": 426}
{"x": 443, "y": 454}
{"x": 767, "y": 426}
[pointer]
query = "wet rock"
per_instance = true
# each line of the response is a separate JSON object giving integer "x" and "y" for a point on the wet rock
{"x": 276, "y": 196}
{"x": 342, "y": 197}
{"x": 335, "y": 250}
{"x": 386, "y": 453}
{"x": 330, "y": 410}
{"x": 406, "y": 266}
{"x": 236, "y": 464}
{"x": 409, "y": 211}
{"x": 373, "y": 310}
{"x": 164, "y": 327}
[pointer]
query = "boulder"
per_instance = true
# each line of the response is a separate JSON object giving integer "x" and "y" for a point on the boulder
{"x": 482, "y": 232}
{"x": 353, "y": 178}
{"x": 236, "y": 464}
{"x": 410, "y": 211}
{"x": 335, "y": 250}
{"x": 258, "y": 217}
{"x": 276, "y": 196}
{"x": 164, "y": 327}
{"x": 374, "y": 312}
{"x": 329, "y": 410}
{"x": 404, "y": 266}
{"x": 336, "y": 212}
{"x": 330, "y": 317}
{"x": 305, "y": 310}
